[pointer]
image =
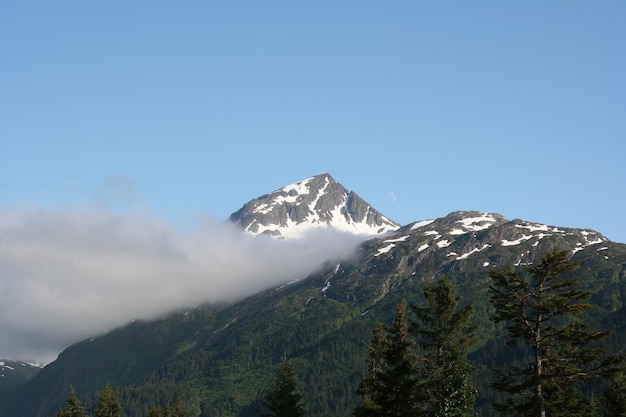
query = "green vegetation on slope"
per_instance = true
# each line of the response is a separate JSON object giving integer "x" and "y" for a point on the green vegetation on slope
{"x": 220, "y": 362}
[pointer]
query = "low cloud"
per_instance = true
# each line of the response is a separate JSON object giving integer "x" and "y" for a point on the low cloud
{"x": 66, "y": 275}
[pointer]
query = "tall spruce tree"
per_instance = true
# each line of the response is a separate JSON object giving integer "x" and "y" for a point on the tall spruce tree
{"x": 542, "y": 314}
{"x": 177, "y": 409}
{"x": 73, "y": 407}
{"x": 371, "y": 388}
{"x": 613, "y": 398}
{"x": 284, "y": 399}
{"x": 153, "y": 411}
{"x": 389, "y": 387}
{"x": 108, "y": 403}
{"x": 444, "y": 335}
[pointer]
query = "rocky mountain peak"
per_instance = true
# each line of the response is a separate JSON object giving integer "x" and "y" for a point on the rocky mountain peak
{"x": 314, "y": 203}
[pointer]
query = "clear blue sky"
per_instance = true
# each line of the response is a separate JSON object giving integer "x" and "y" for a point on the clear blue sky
{"x": 421, "y": 107}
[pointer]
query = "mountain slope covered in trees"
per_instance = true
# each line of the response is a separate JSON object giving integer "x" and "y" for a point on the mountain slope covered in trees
{"x": 220, "y": 359}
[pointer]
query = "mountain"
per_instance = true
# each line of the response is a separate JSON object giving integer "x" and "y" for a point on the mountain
{"x": 220, "y": 359}
{"x": 315, "y": 203}
{"x": 15, "y": 373}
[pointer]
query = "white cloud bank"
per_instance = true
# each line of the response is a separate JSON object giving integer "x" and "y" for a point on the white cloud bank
{"x": 66, "y": 275}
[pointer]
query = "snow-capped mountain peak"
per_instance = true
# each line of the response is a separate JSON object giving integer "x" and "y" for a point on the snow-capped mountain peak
{"x": 317, "y": 202}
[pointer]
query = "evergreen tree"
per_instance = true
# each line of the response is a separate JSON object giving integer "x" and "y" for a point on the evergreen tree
{"x": 372, "y": 388}
{"x": 444, "y": 336}
{"x": 153, "y": 411}
{"x": 284, "y": 398}
{"x": 542, "y": 314}
{"x": 73, "y": 407}
{"x": 178, "y": 409}
{"x": 613, "y": 399}
{"x": 108, "y": 403}
{"x": 389, "y": 387}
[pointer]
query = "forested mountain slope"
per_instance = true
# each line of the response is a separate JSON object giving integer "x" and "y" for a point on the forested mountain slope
{"x": 220, "y": 359}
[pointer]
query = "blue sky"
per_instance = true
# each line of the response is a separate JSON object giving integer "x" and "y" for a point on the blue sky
{"x": 182, "y": 109}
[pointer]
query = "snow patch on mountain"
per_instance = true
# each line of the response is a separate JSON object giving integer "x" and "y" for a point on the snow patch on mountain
{"x": 473, "y": 251}
{"x": 443, "y": 243}
{"x": 516, "y": 241}
{"x": 476, "y": 223}
{"x": 421, "y": 223}
{"x": 385, "y": 249}
{"x": 399, "y": 239}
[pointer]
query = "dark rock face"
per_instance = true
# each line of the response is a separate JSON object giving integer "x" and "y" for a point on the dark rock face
{"x": 473, "y": 240}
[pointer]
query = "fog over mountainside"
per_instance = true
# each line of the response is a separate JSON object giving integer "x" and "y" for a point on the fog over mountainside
{"x": 70, "y": 274}
{"x": 67, "y": 275}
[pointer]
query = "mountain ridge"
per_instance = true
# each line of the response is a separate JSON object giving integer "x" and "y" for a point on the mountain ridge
{"x": 14, "y": 373}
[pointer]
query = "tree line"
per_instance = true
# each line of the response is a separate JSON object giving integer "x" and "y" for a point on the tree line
{"x": 109, "y": 406}
{"x": 418, "y": 365}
